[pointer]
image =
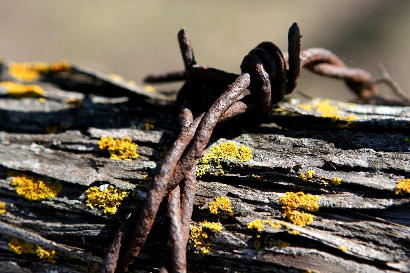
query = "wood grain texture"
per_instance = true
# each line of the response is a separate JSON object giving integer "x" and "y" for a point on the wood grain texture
{"x": 361, "y": 225}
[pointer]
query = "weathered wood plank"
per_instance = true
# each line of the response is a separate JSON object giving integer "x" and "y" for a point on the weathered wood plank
{"x": 361, "y": 224}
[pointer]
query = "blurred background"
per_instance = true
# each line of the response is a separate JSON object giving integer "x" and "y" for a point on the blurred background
{"x": 136, "y": 37}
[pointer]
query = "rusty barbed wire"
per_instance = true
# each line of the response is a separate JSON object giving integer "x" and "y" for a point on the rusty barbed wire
{"x": 210, "y": 96}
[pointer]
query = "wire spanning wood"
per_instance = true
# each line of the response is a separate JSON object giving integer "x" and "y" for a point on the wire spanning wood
{"x": 269, "y": 74}
{"x": 361, "y": 226}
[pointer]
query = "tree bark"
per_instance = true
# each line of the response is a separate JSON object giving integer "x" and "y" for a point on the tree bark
{"x": 361, "y": 224}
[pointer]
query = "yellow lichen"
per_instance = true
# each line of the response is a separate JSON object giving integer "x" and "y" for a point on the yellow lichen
{"x": 342, "y": 248}
{"x": 115, "y": 77}
{"x": 326, "y": 110}
{"x": 279, "y": 109}
{"x": 299, "y": 218}
{"x": 306, "y": 107}
{"x": 149, "y": 88}
{"x": 293, "y": 231}
{"x": 45, "y": 254}
{"x": 199, "y": 236}
{"x": 107, "y": 198}
{"x": 214, "y": 226}
{"x": 18, "y": 90}
{"x": 221, "y": 206}
{"x": 22, "y": 247}
{"x": 256, "y": 224}
{"x": 245, "y": 153}
{"x": 292, "y": 203}
{"x": 120, "y": 149}
{"x": 336, "y": 181}
{"x": 35, "y": 189}
{"x": 290, "y": 230}
{"x": 403, "y": 186}
{"x": 3, "y": 207}
{"x": 256, "y": 176}
{"x": 149, "y": 124}
{"x": 32, "y": 71}
{"x": 259, "y": 224}
{"x": 307, "y": 175}
{"x": 227, "y": 151}
{"x": 275, "y": 224}
{"x": 41, "y": 100}
{"x": 62, "y": 65}
{"x": 300, "y": 200}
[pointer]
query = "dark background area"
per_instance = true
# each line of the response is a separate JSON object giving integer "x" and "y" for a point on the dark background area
{"x": 134, "y": 38}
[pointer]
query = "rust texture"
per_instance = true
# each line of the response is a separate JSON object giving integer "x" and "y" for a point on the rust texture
{"x": 210, "y": 96}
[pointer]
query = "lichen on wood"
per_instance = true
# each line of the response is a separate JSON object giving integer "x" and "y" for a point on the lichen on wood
{"x": 360, "y": 168}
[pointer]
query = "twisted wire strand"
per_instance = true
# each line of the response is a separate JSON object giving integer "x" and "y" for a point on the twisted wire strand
{"x": 269, "y": 74}
{"x": 325, "y": 63}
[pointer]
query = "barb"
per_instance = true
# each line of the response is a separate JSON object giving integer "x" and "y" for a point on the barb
{"x": 208, "y": 97}
{"x": 387, "y": 79}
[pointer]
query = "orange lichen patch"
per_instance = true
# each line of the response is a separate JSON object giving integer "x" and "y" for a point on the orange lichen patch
{"x": 62, "y": 65}
{"x": 228, "y": 151}
{"x": 32, "y": 71}
{"x": 35, "y": 189}
{"x": 109, "y": 198}
{"x": 120, "y": 149}
{"x": 18, "y": 90}
{"x": 259, "y": 224}
{"x": 403, "y": 186}
{"x": 307, "y": 175}
{"x": 3, "y": 207}
{"x": 336, "y": 181}
{"x": 42, "y": 100}
{"x": 22, "y": 247}
{"x": 221, "y": 206}
{"x": 27, "y": 71}
{"x": 342, "y": 248}
{"x": 326, "y": 110}
{"x": 199, "y": 236}
{"x": 292, "y": 203}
